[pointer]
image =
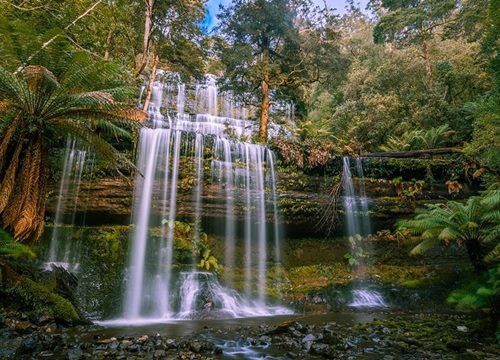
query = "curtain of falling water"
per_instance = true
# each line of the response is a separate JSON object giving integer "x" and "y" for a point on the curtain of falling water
{"x": 243, "y": 170}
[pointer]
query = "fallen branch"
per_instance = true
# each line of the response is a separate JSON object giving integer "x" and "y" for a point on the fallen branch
{"x": 413, "y": 153}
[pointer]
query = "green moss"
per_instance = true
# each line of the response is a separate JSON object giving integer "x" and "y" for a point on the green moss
{"x": 35, "y": 296}
{"x": 14, "y": 249}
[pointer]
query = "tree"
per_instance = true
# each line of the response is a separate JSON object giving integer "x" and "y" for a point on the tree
{"x": 475, "y": 224}
{"x": 78, "y": 96}
{"x": 412, "y": 21}
{"x": 485, "y": 144}
{"x": 274, "y": 47}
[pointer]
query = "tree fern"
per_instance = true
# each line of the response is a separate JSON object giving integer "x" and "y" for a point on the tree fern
{"x": 474, "y": 224}
{"x": 41, "y": 105}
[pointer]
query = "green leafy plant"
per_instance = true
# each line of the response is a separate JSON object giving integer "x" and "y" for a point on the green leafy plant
{"x": 40, "y": 105}
{"x": 474, "y": 224}
{"x": 357, "y": 252}
{"x": 481, "y": 293}
{"x": 208, "y": 262}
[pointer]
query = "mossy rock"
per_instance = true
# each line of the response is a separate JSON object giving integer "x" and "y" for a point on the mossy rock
{"x": 34, "y": 296}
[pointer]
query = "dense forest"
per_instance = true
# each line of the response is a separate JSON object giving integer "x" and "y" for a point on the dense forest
{"x": 264, "y": 178}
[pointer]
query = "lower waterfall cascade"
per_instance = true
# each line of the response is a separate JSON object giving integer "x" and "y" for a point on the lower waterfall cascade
{"x": 357, "y": 223}
{"x": 155, "y": 289}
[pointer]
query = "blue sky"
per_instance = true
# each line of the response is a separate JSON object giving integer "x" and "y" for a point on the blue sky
{"x": 213, "y": 8}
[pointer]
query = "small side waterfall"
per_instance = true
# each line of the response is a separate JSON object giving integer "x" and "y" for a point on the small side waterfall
{"x": 243, "y": 172}
{"x": 357, "y": 219}
{"x": 62, "y": 252}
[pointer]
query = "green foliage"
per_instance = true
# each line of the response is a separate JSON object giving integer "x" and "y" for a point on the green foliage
{"x": 475, "y": 224}
{"x": 418, "y": 139}
{"x": 410, "y": 21}
{"x": 35, "y": 296}
{"x": 478, "y": 294}
{"x": 355, "y": 257}
{"x": 13, "y": 249}
{"x": 485, "y": 144}
{"x": 207, "y": 261}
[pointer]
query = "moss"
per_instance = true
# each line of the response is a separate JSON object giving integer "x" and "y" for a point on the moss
{"x": 35, "y": 296}
{"x": 14, "y": 249}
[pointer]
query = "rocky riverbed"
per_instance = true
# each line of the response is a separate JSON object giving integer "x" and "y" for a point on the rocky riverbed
{"x": 409, "y": 336}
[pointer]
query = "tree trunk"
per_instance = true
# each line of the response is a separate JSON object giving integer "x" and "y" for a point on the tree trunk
{"x": 264, "y": 108}
{"x": 475, "y": 255}
{"x": 427, "y": 60}
{"x": 151, "y": 83}
{"x": 146, "y": 39}
{"x": 108, "y": 44}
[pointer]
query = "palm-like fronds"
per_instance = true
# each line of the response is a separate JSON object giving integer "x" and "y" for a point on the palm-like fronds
{"x": 475, "y": 224}
{"x": 84, "y": 100}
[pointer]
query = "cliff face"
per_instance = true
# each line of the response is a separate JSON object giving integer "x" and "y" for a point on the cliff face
{"x": 302, "y": 202}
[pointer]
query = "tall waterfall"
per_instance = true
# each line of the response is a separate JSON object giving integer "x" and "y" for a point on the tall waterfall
{"x": 357, "y": 220}
{"x": 355, "y": 203}
{"x": 62, "y": 252}
{"x": 156, "y": 288}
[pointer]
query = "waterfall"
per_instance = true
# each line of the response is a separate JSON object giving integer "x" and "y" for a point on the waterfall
{"x": 61, "y": 251}
{"x": 357, "y": 220}
{"x": 243, "y": 173}
{"x": 355, "y": 203}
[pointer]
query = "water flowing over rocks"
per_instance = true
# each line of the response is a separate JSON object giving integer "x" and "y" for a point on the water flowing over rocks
{"x": 394, "y": 337}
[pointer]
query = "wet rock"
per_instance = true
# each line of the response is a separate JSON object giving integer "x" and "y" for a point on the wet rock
{"x": 307, "y": 341}
{"x": 171, "y": 343}
{"x": 28, "y": 344}
{"x": 20, "y": 326}
{"x": 106, "y": 341}
{"x": 264, "y": 339}
{"x": 195, "y": 346}
{"x": 159, "y": 354}
{"x": 320, "y": 349}
{"x": 456, "y": 345}
{"x": 75, "y": 353}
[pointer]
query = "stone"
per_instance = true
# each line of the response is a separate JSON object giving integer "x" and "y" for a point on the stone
{"x": 106, "y": 341}
{"x": 195, "y": 346}
{"x": 264, "y": 339}
{"x": 159, "y": 354}
{"x": 462, "y": 328}
{"x": 320, "y": 349}
{"x": 75, "y": 353}
{"x": 143, "y": 338}
{"x": 27, "y": 345}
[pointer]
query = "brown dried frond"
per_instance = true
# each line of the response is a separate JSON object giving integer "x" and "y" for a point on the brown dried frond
{"x": 7, "y": 184}
{"x": 4, "y": 145}
{"x": 131, "y": 114}
{"x": 40, "y": 216}
{"x": 36, "y": 73}
{"x": 98, "y": 95}
{"x": 28, "y": 212}
{"x": 4, "y": 105}
{"x": 18, "y": 197}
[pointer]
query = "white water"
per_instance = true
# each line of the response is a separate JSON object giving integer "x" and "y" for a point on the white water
{"x": 244, "y": 174}
{"x": 63, "y": 252}
{"x": 357, "y": 218}
{"x": 367, "y": 298}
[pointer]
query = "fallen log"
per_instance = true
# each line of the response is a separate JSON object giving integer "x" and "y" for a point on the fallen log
{"x": 413, "y": 153}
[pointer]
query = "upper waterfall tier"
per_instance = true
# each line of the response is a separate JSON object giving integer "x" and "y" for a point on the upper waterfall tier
{"x": 202, "y": 108}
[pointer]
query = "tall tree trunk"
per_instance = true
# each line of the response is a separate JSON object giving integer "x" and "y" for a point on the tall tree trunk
{"x": 146, "y": 39}
{"x": 108, "y": 44}
{"x": 475, "y": 254}
{"x": 151, "y": 83}
{"x": 427, "y": 60}
{"x": 264, "y": 108}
